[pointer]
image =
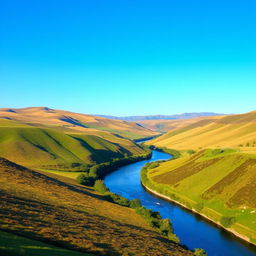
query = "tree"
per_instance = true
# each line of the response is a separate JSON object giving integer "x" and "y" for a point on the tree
{"x": 173, "y": 237}
{"x": 100, "y": 186}
{"x": 166, "y": 227}
{"x": 85, "y": 179}
{"x": 119, "y": 200}
{"x": 135, "y": 203}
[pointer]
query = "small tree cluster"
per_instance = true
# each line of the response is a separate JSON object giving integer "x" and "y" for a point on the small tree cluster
{"x": 85, "y": 179}
{"x": 135, "y": 203}
{"x": 100, "y": 186}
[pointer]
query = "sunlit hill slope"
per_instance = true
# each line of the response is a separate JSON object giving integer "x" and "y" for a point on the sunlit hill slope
{"x": 59, "y": 212}
{"x": 221, "y": 181}
{"x": 40, "y": 138}
{"x": 74, "y": 122}
{"x": 215, "y": 174}
{"x": 237, "y": 131}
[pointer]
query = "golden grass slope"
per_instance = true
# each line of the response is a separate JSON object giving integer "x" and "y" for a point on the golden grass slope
{"x": 74, "y": 122}
{"x": 238, "y": 131}
{"x": 73, "y": 217}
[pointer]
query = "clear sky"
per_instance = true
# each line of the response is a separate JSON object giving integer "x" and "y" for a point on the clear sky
{"x": 129, "y": 57}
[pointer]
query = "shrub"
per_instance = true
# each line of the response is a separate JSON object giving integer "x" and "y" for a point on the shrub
{"x": 135, "y": 203}
{"x": 85, "y": 179}
{"x": 119, "y": 200}
{"x": 100, "y": 186}
{"x": 144, "y": 212}
{"x": 165, "y": 227}
{"x": 156, "y": 215}
{"x": 153, "y": 165}
{"x": 200, "y": 252}
{"x": 173, "y": 238}
{"x": 227, "y": 221}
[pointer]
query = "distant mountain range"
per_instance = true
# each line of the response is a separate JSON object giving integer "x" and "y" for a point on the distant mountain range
{"x": 162, "y": 117}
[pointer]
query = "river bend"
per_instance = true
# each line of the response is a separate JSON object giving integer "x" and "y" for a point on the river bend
{"x": 193, "y": 231}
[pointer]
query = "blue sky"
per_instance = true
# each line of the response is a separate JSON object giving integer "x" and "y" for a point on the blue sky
{"x": 129, "y": 57}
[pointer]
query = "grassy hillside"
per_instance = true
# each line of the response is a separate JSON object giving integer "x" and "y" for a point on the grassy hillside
{"x": 236, "y": 131}
{"x": 74, "y": 122}
{"x": 13, "y": 245}
{"x": 52, "y": 148}
{"x": 66, "y": 215}
{"x": 219, "y": 183}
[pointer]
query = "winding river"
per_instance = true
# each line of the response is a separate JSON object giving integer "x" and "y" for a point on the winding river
{"x": 193, "y": 231}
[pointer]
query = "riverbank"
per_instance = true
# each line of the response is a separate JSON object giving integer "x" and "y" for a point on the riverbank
{"x": 193, "y": 231}
{"x": 230, "y": 230}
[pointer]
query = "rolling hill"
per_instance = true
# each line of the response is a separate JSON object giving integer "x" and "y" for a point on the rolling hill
{"x": 215, "y": 175}
{"x": 51, "y": 149}
{"x": 41, "y": 138}
{"x": 73, "y": 122}
{"x": 238, "y": 131}
{"x": 56, "y": 211}
{"x": 219, "y": 183}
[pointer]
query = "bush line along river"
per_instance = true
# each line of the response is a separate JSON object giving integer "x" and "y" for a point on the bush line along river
{"x": 194, "y": 231}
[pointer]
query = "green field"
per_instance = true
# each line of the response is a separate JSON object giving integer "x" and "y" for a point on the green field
{"x": 215, "y": 182}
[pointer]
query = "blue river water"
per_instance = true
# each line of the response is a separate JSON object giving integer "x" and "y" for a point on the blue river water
{"x": 193, "y": 230}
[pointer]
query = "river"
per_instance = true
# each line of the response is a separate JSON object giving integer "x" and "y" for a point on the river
{"x": 193, "y": 231}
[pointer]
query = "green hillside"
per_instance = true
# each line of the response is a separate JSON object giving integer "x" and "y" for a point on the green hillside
{"x": 57, "y": 211}
{"x": 53, "y": 149}
{"x": 219, "y": 183}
